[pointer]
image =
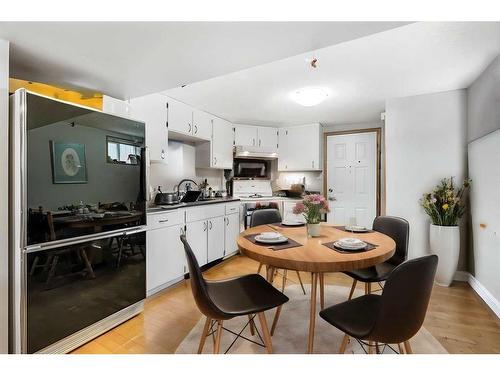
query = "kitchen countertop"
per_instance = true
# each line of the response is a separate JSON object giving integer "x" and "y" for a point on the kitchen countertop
{"x": 158, "y": 209}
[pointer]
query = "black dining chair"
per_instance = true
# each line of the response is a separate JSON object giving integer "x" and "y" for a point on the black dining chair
{"x": 271, "y": 216}
{"x": 393, "y": 317}
{"x": 399, "y": 230}
{"x": 248, "y": 295}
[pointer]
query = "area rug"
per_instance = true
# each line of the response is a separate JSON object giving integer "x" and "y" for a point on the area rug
{"x": 292, "y": 331}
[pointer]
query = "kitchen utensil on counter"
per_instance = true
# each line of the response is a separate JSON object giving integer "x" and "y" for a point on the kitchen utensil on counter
{"x": 162, "y": 198}
{"x": 191, "y": 196}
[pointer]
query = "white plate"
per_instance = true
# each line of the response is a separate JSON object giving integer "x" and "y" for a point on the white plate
{"x": 356, "y": 228}
{"x": 351, "y": 243}
{"x": 350, "y": 248}
{"x": 280, "y": 239}
{"x": 270, "y": 235}
{"x": 292, "y": 223}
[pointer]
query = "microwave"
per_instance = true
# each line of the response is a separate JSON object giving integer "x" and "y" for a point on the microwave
{"x": 252, "y": 168}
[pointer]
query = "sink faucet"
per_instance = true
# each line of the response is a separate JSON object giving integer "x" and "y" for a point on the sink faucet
{"x": 178, "y": 186}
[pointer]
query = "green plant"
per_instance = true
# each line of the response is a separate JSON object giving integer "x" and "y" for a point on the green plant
{"x": 444, "y": 204}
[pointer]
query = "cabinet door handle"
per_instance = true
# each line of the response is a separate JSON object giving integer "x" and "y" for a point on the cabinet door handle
{"x": 163, "y": 154}
{"x": 189, "y": 125}
{"x": 195, "y": 129}
{"x": 204, "y": 226}
{"x": 253, "y": 141}
{"x": 215, "y": 160}
{"x": 163, "y": 221}
{"x": 227, "y": 221}
{"x": 210, "y": 224}
{"x": 260, "y": 141}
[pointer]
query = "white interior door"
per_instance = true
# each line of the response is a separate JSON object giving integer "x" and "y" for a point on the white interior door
{"x": 352, "y": 178}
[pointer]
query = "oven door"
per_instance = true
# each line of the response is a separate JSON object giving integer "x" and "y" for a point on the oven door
{"x": 69, "y": 288}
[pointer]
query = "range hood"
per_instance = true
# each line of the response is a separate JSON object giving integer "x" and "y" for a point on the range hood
{"x": 254, "y": 152}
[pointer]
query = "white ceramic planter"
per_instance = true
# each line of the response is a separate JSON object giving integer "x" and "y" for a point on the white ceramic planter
{"x": 445, "y": 243}
{"x": 313, "y": 230}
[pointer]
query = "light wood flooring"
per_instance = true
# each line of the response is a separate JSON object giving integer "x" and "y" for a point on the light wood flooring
{"x": 457, "y": 317}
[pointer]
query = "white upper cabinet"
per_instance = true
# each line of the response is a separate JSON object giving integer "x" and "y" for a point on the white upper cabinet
{"x": 262, "y": 137}
{"x": 300, "y": 148}
{"x": 245, "y": 135}
{"x": 218, "y": 153}
{"x": 188, "y": 123}
{"x": 222, "y": 144}
{"x": 283, "y": 150}
{"x": 116, "y": 106}
{"x": 267, "y": 138}
{"x": 202, "y": 124}
{"x": 152, "y": 109}
{"x": 180, "y": 117}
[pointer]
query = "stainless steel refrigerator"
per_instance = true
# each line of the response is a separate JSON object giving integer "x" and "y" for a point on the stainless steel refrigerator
{"x": 78, "y": 220}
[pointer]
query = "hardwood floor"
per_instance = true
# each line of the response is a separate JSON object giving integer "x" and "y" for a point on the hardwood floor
{"x": 457, "y": 317}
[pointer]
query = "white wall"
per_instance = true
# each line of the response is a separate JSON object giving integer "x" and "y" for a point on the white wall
{"x": 483, "y": 98}
{"x": 4, "y": 187}
{"x": 181, "y": 164}
{"x": 425, "y": 140}
{"x": 484, "y": 118}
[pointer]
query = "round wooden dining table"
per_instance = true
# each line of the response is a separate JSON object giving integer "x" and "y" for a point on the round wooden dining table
{"x": 314, "y": 257}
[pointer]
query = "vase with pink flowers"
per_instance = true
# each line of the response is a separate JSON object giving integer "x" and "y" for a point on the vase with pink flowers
{"x": 312, "y": 207}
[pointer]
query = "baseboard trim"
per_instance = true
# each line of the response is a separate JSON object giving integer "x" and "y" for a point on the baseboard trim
{"x": 461, "y": 276}
{"x": 481, "y": 290}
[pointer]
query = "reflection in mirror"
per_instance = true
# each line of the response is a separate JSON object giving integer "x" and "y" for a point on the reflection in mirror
{"x": 85, "y": 170}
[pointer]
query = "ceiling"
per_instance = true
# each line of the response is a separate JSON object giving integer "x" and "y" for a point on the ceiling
{"x": 129, "y": 59}
{"x": 361, "y": 74}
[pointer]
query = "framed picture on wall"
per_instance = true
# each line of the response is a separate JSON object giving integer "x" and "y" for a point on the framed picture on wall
{"x": 68, "y": 163}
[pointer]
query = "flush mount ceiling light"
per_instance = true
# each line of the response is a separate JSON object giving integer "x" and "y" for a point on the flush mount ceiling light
{"x": 309, "y": 96}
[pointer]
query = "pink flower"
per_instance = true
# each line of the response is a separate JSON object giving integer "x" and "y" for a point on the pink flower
{"x": 299, "y": 208}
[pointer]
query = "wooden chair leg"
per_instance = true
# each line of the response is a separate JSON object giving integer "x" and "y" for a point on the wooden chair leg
{"x": 283, "y": 281}
{"x": 218, "y": 336}
{"x": 401, "y": 350}
{"x": 260, "y": 268}
{"x": 408, "y": 348}
{"x": 265, "y": 333}
{"x": 275, "y": 320}
{"x": 52, "y": 270}
{"x": 343, "y": 346}
{"x": 251, "y": 323}
{"x": 353, "y": 287}
{"x": 368, "y": 288}
{"x": 301, "y": 283}
{"x": 35, "y": 263}
{"x": 370, "y": 347}
{"x": 88, "y": 265}
{"x": 322, "y": 290}
{"x": 204, "y": 334}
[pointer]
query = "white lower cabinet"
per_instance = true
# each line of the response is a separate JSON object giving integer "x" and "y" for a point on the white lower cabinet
{"x": 196, "y": 234}
{"x": 231, "y": 233}
{"x": 211, "y": 231}
{"x": 164, "y": 257}
{"x": 215, "y": 238}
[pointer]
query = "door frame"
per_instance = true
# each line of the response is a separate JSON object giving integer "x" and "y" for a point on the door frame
{"x": 378, "y": 132}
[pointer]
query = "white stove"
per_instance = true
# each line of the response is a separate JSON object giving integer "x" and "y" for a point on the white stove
{"x": 252, "y": 190}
